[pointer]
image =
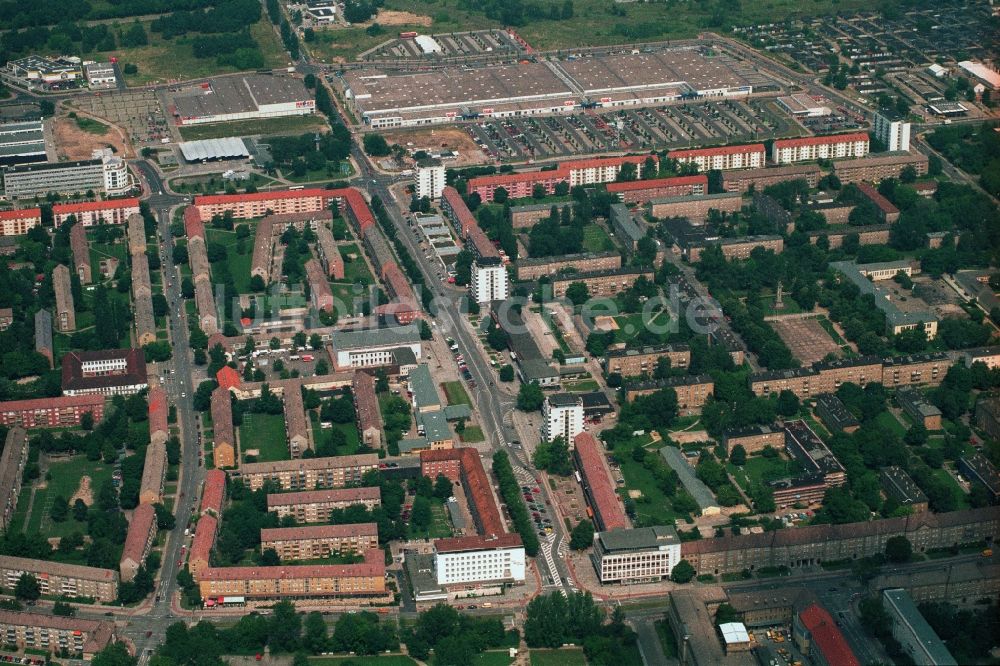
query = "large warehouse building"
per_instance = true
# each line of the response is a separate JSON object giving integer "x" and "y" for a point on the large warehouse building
{"x": 243, "y": 98}
{"x": 22, "y": 142}
{"x": 532, "y": 88}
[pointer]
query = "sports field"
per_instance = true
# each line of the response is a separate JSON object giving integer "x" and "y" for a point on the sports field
{"x": 266, "y": 433}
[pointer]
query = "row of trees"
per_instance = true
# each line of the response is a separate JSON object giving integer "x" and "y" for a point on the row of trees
{"x": 510, "y": 492}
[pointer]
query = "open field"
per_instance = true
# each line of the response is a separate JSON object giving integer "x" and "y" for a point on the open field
{"x": 472, "y": 434}
{"x": 92, "y": 126}
{"x": 355, "y": 269}
{"x": 564, "y": 657}
{"x": 456, "y": 393}
{"x": 492, "y": 658}
{"x": 67, "y": 476}
{"x": 379, "y": 660}
{"x": 807, "y": 339}
{"x": 265, "y": 432}
{"x": 439, "y": 528}
{"x": 596, "y": 239}
{"x": 284, "y": 125}
{"x": 76, "y": 142}
{"x": 238, "y": 264}
{"x": 759, "y": 470}
{"x": 653, "y": 507}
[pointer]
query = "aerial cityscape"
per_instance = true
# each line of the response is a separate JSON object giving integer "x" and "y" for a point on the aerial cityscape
{"x": 510, "y": 332}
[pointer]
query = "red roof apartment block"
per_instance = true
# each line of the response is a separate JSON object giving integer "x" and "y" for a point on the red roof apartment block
{"x": 886, "y": 210}
{"x": 460, "y": 214}
{"x": 357, "y": 207}
{"x": 214, "y": 491}
{"x": 158, "y": 411}
{"x": 373, "y": 566}
{"x": 201, "y": 545}
{"x": 193, "y": 227}
{"x": 51, "y": 412}
{"x": 827, "y": 637}
{"x": 20, "y": 221}
{"x": 228, "y": 377}
{"x": 579, "y": 172}
{"x": 640, "y": 191}
{"x": 820, "y": 140}
{"x": 472, "y": 476}
{"x": 712, "y": 152}
{"x": 609, "y": 514}
{"x": 89, "y": 213}
{"x": 137, "y": 541}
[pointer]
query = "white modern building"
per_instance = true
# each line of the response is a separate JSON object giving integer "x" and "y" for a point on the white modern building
{"x": 430, "y": 178}
{"x": 893, "y": 131}
{"x": 562, "y": 416}
{"x": 100, "y": 74}
{"x": 479, "y": 560}
{"x": 639, "y": 555}
{"x": 373, "y": 347}
{"x": 489, "y": 281}
{"x": 105, "y": 174}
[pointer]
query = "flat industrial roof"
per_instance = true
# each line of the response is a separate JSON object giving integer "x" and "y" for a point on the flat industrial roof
{"x": 237, "y": 94}
{"x": 629, "y": 71}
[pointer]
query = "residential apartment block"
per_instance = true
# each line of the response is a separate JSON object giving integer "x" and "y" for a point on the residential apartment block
{"x": 579, "y": 172}
{"x": 601, "y": 283}
{"x": 696, "y": 207}
{"x": 12, "y": 463}
{"x": 65, "y": 308}
{"x": 692, "y": 390}
{"x": 562, "y": 416}
{"x": 750, "y": 156}
{"x": 91, "y": 213}
{"x": 900, "y": 488}
{"x": 644, "y": 361}
{"x": 314, "y": 542}
{"x": 104, "y": 372}
{"x": 308, "y": 473}
{"x": 57, "y": 412}
{"x": 641, "y": 191}
{"x": 314, "y": 506}
{"x": 53, "y": 634}
{"x": 223, "y": 434}
{"x": 807, "y": 149}
{"x": 879, "y": 167}
{"x": 58, "y": 579}
{"x": 138, "y": 541}
{"x": 463, "y": 561}
{"x": 742, "y": 181}
{"x": 606, "y": 506}
{"x": 19, "y": 221}
{"x": 534, "y": 268}
{"x": 366, "y": 407}
{"x": 754, "y": 438}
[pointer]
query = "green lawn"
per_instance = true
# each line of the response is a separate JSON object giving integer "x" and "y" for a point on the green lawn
{"x": 563, "y": 657}
{"x": 92, "y": 126}
{"x": 629, "y": 325}
{"x": 596, "y": 239}
{"x": 758, "y": 470}
{"x": 890, "y": 422}
{"x": 960, "y": 496}
{"x": 440, "y": 528}
{"x": 265, "y": 432}
{"x": 493, "y": 658}
{"x": 285, "y": 125}
{"x": 379, "y": 660}
{"x": 356, "y": 270}
{"x": 456, "y": 394}
{"x": 472, "y": 434}
{"x": 343, "y": 299}
{"x": 350, "y": 430}
{"x": 239, "y": 264}
{"x": 66, "y": 476}
{"x": 653, "y": 508}
{"x": 581, "y": 386}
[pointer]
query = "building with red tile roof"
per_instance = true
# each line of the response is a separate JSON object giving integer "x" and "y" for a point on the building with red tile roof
{"x": 312, "y": 542}
{"x": 814, "y": 631}
{"x": 213, "y": 492}
{"x": 319, "y": 288}
{"x": 472, "y": 475}
{"x": 609, "y": 513}
{"x": 367, "y": 409}
{"x": 577, "y": 172}
{"x": 315, "y": 580}
{"x": 140, "y": 538}
{"x": 56, "y": 412}
{"x": 81, "y": 253}
{"x": 154, "y": 471}
{"x": 193, "y": 226}
{"x": 749, "y": 156}
{"x": 228, "y": 377}
{"x": 314, "y": 506}
{"x": 476, "y": 542}
{"x": 158, "y": 412}
{"x": 106, "y": 372}
{"x": 39, "y": 631}
{"x": 223, "y": 436}
{"x": 19, "y": 221}
{"x": 201, "y": 545}
{"x": 887, "y": 212}
{"x": 809, "y": 148}
{"x": 455, "y": 208}
{"x": 329, "y": 254}
{"x": 90, "y": 213}
{"x": 641, "y": 191}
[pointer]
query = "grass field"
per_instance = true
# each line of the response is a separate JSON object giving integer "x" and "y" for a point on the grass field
{"x": 653, "y": 508}
{"x": 596, "y": 239}
{"x": 66, "y": 476}
{"x": 630, "y": 325}
{"x": 890, "y": 422}
{"x": 285, "y": 125}
{"x": 758, "y": 470}
{"x": 667, "y": 639}
{"x": 493, "y": 658}
{"x": 92, "y": 126}
{"x": 456, "y": 394}
{"x": 472, "y": 434}
{"x": 961, "y": 498}
{"x": 440, "y": 528}
{"x": 564, "y": 657}
{"x": 355, "y": 270}
{"x": 165, "y": 60}
{"x": 239, "y": 264}
{"x": 352, "y": 441}
{"x": 379, "y": 660}
{"x": 265, "y": 432}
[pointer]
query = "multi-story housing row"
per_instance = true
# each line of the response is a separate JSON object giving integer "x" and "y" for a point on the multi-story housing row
{"x": 813, "y": 454}
{"x": 464, "y": 466}
{"x": 19, "y": 221}
{"x": 580, "y": 172}
{"x": 404, "y": 304}
{"x": 810, "y": 148}
{"x": 65, "y": 307}
{"x": 696, "y": 207}
{"x": 534, "y": 268}
{"x": 641, "y": 191}
{"x": 153, "y": 474}
{"x": 643, "y": 361}
{"x": 223, "y": 435}
{"x": 54, "y": 634}
{"x": 834, "y": 414}
{"x": 887, "y": 211}
{"x": 318, "y": 581}
{"x": 213, "y": 492}
{"x": 692, "y": 390}
{"x": 81, "y": 253}
{"x": 91, "y": 213}
{"x": 12, "y": 462}
{"x": 329, "y": 255}
{"x": 296, "y": 423}
{"x": 528, "y": 215}
{"x": 58, "y": 579}
{"x": 489, "y": 276}
{"x": 978, "y": 469}
{"x": 320, "y": 294}
{"x": 742, "y": 181}
{"x": 919, "y": 408}
{"x": 199, "y": 559}
{"x": 43, "y": 335}
{"x": 308, "y": 473}
{"x": 750, "y": 156}
{"x": 875, "y": 234}
{"x": 263, "y": 249}
{"x": 753, "y": 438}
{"x": 827, "y": 376}
{"x": 57, "y": 412}
{"x": 898, "y": 486}
{"x": 600, "y": 283}
{"x": 692, "y": 245}
{"x": 313, "y": 542}
{"x": 142, "y": 288}
{"x": 367, "y": 409}
{"x": 989, "y": 356}
{"x": 314, "y": 506}
{"x": 638, "y": 555}
{"x": 879, "y": 167}
{"x": 810, "y": 545}
{"x": 104, "y": 372}
{"x": 138, "y": 541}
{"x": 606, "y": 506}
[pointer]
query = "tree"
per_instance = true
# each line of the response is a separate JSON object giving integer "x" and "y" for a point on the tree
{"x": 582, "y": 536}
{"x": 577, "y": 293}
{"x": 682, "y": 572}
{"x": 506, "y": 373}
{"x": 738, "y": 456}
{"x": 27, "y": 588}
{"x": 315, "y": 638}
{"x": 421, "y": 515}
{"x": 63, "y": 609}
{"x": 442, "y": 487}
{"x": 898, "y": 549}
{"x": 553, "y": 457}
{"x": 60, "y": 509}
{"x": 425, "y": 330}
{"x": 257, "y": 283}
{"x": 788, "y": 403}
{"x": 376, "y": 145}
{"x": 114, "y": 654}
{"x": 530, "y": 397}
{"x": 495, "y": 337}
{"x": 80, "y": 510}
{"x": 500, "y": 195}
{"x": 285, "y": 627}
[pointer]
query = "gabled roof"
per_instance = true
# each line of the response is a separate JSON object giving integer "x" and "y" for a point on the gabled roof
{"x": 827, "y": 637}
{"x": 228, "y": 377}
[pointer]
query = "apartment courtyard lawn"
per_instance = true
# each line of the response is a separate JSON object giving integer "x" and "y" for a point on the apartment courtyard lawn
{"x": 456, "y": 393}
{"x": 652, "y": 507}
{"x": 266, "y": 433}
{"x": 563, "y": 657}
{"x": 68, "y": 477}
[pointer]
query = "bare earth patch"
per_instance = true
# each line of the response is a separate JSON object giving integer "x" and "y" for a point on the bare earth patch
{"x": 445, "y": 138}
{"x": 76, "y": 144}
{"x": 83, "y": 492}
{"x": 806, "y": 339}
{"x": 392, "y": 17}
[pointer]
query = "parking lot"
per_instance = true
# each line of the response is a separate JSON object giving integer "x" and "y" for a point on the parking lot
{"x": 138, "y": 112}
{"x": 675, "y": 126}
